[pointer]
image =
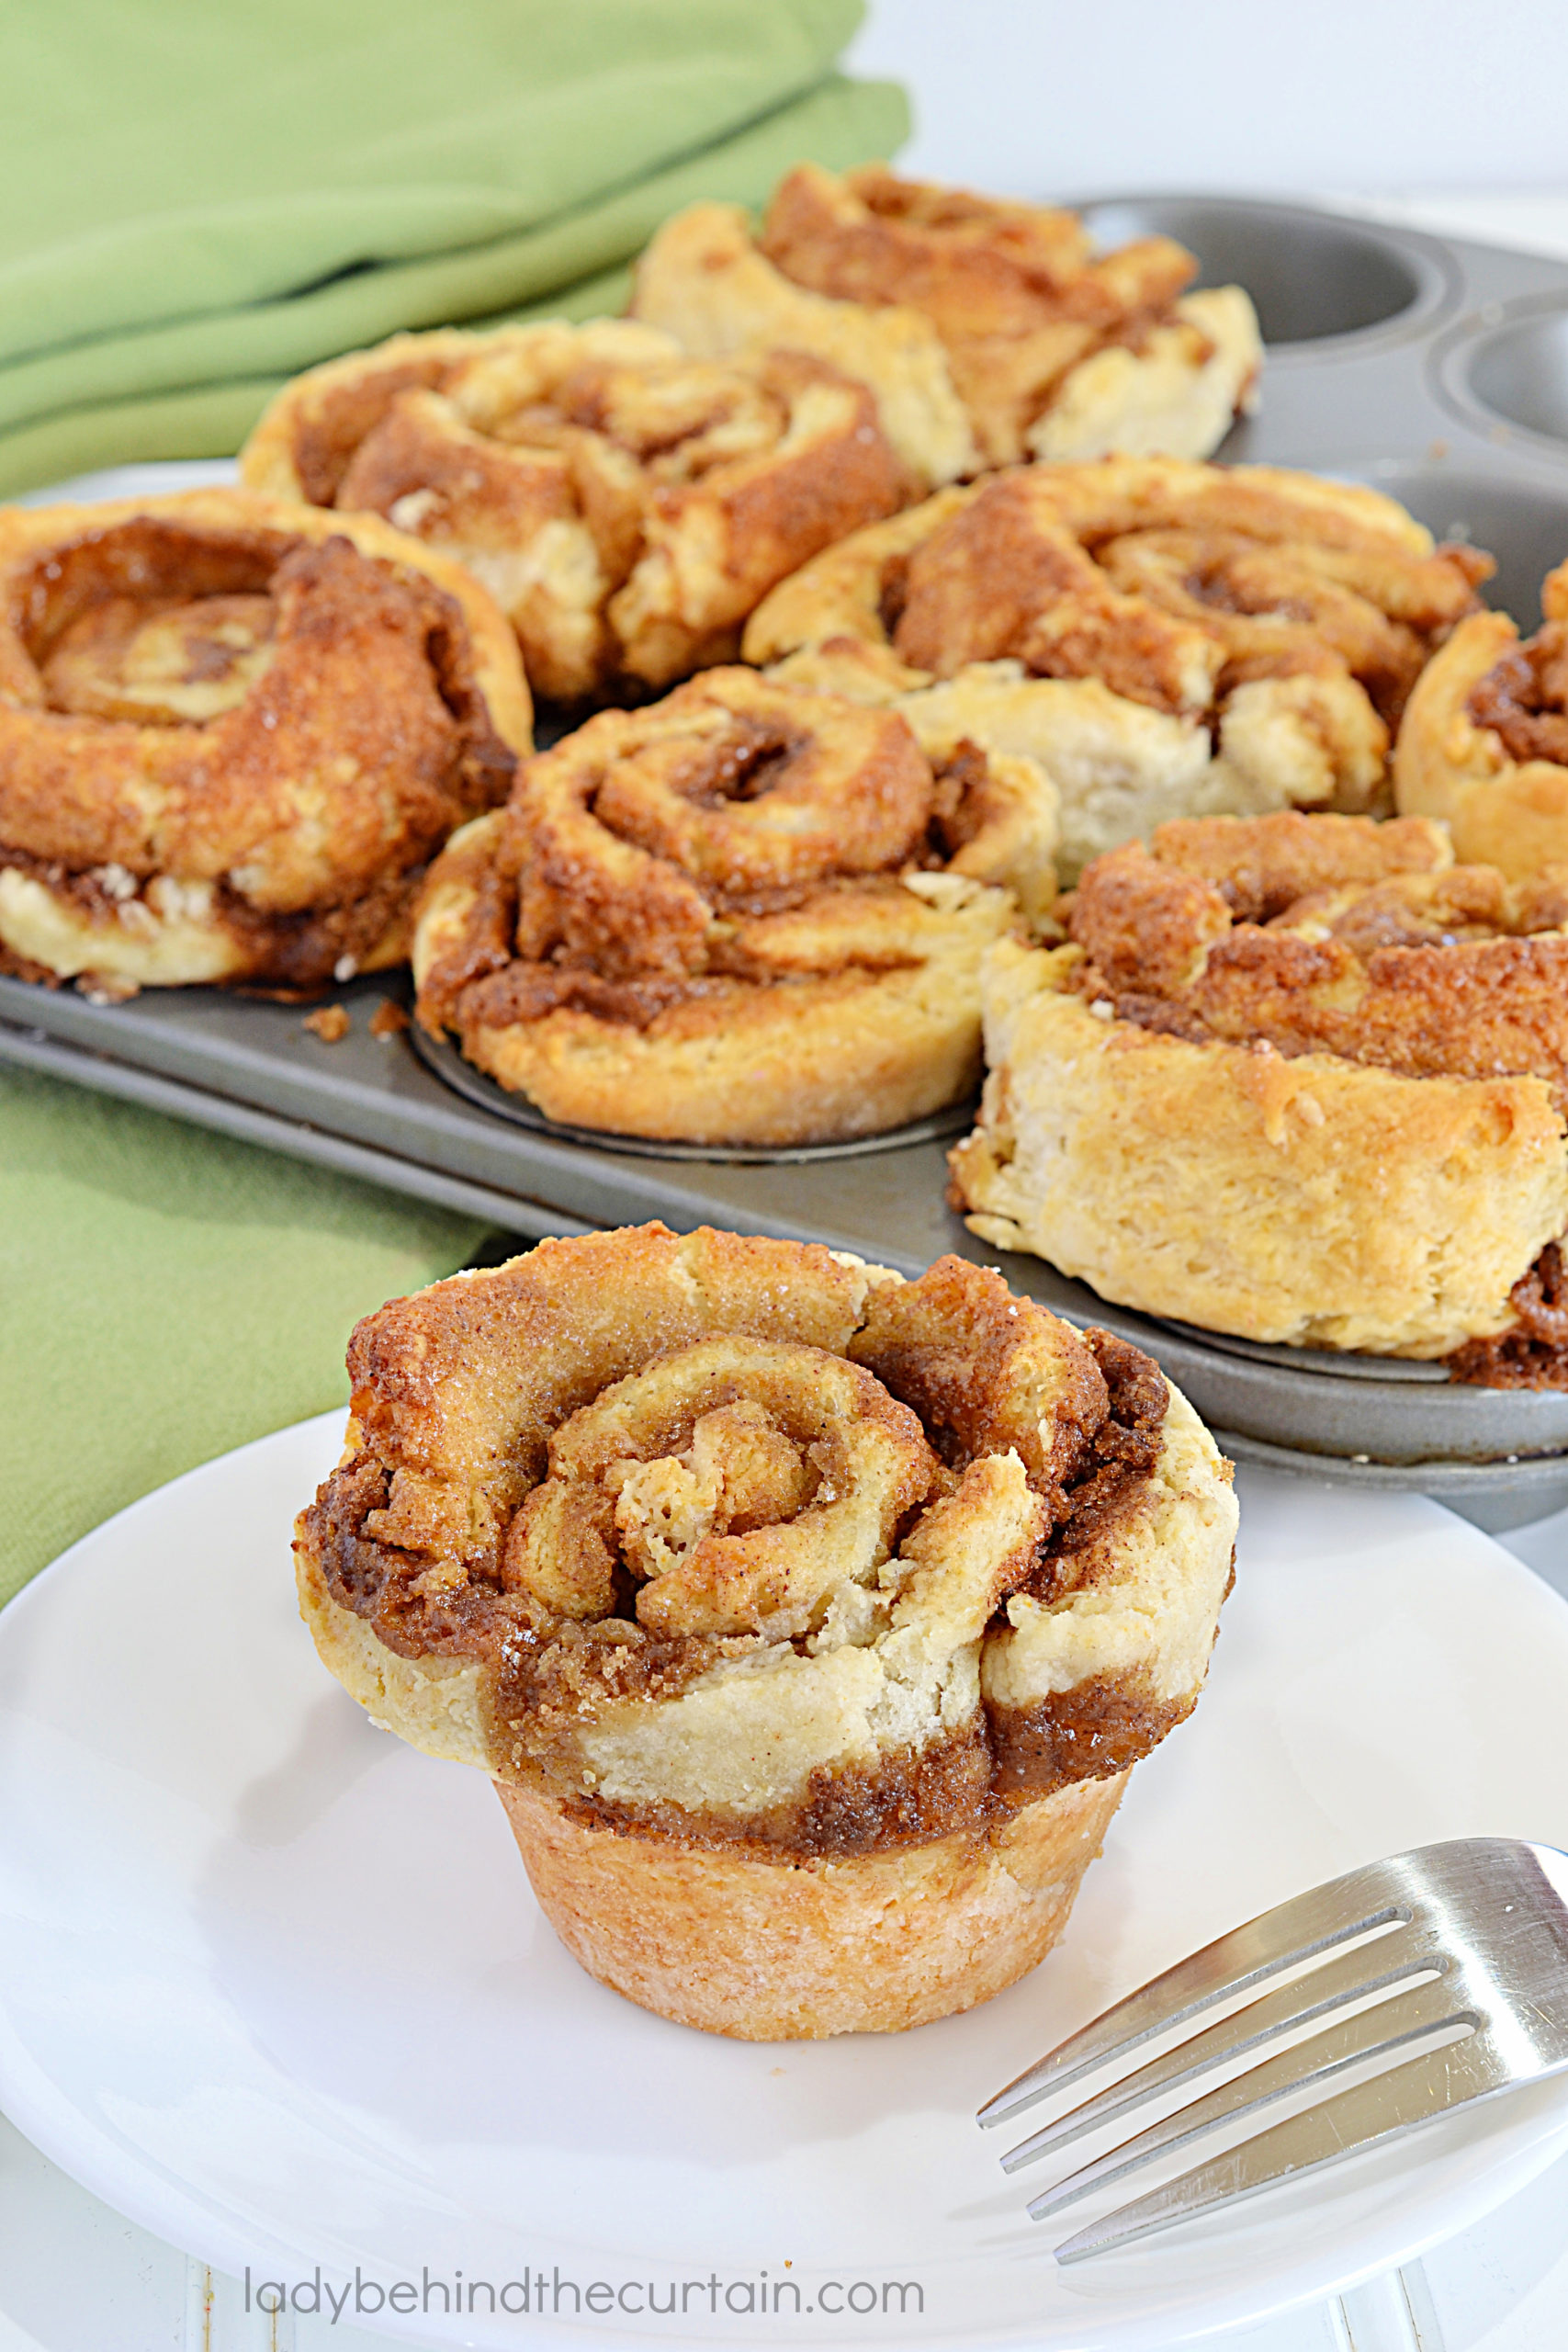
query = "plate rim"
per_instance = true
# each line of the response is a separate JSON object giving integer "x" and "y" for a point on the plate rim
{"x": 145, "y": 2193}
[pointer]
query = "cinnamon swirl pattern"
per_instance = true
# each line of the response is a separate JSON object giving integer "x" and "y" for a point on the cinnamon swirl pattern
{"x": 1217, "y": 639}
{"x": 748, "y": 914}
{"x": 1484, "y": 742}
{"x": 232, "y": 732}
{"x": 808, "y": 1620}
{"x": 989, "y": 331}
{"x": 625, "y": 504}
{"x": 1300, "y": 1078}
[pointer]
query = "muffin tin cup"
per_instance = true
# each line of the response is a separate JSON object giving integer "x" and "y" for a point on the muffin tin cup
{"x": 439, "y": 1054}
{"x": 1358, "y": 1409}
{"x": 371, "y": 1108}
{"x": 1321, "y": 283}
{"x": 1503, "y": 370}
{"x": 1532, "y": 1490}
{"x": 1522, "y": 523}
{"x": 1389, "y": 363}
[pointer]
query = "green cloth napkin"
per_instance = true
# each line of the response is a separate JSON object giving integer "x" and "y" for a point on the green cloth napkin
{"x": 165, "y": 1294}
{"x": 199, "y": 198}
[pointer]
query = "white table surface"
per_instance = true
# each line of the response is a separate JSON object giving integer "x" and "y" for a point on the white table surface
{"x": 76, "y": 2277}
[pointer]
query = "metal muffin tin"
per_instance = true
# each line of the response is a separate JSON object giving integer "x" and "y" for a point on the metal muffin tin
{"x": 1435, "y": 369}
{"x": 441, "y": 1055}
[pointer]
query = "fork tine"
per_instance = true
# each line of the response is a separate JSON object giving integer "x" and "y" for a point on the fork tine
{"x": 1394, "y": 2103}
{"x": 1328, "y": 1989}
{"x": 1371, "y": 1897}
{"x": 1411, "y": 2016}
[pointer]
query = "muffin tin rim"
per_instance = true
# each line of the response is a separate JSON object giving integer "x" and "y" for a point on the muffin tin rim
{"x": 1454, "y": 352}
{"x": 446, "y": 1062}
{"x": 1380, "y": 388}
{"x": 1431, "y": 258}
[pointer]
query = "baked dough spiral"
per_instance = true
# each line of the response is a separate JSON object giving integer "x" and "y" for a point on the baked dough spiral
{"x": 626, "y": 506}
{"x": 1484, "y": 745}
{"x": 1218, "y": 639}
{"x": 808, "y": 1620}
{"x": 989, "y": 331}
{"x": 747, "y": 914}
{"x": 1300, "y": 1079}
{"x": 232, "y": 732}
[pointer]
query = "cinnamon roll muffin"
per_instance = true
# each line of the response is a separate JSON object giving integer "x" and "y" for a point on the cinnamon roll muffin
{"x": 1484, "y": 745}
{"x": 1300, "y": 1079}
{"x": 625, "y": 504}
{"x": 232, "y": 732}
{"x": 1166, "y": 640}
{"x": 807, "y": 1620}
{"x": 747, "y": 914}
{"x": 989, "y": 331}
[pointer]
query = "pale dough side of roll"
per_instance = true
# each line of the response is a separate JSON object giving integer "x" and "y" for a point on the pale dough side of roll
{"x": 1175, "y": 397}
{"x": 1503, "y": 812}
{"x": 703, "y": 281}
{"x": 763, "y": 1950}
{"x": 882, "y": 1049}
{"x": 1312, "y": 1200}
{"x": 436, "y": 1704}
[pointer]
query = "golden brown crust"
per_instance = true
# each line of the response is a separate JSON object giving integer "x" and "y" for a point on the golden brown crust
{"x": 1333, "y": 935}
{"x": 1296, "y": 1078}
{"x": 807, "y": 1620}
{"x": 976, "y": 266}
{"x": 232, "y": 732}
{"x": 637, "y": 1493}
{"x": 1176, "y": 583}
{"x": 770, "y": 1950}
{"x": 988, "y": 330}
{"x": 1164, "y": 638}
{"x": 748, "y": 914}
{"x": 1484, "y": 745}
{"x": 626, "y": 506}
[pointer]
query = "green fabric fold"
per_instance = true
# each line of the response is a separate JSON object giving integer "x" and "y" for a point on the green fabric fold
{"x": 198, "y": 199}
{"x": 230, "y": 194}
{"x": 165, "y": 1294}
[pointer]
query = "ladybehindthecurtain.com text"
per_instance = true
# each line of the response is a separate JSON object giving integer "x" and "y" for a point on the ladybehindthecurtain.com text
{"x": 539, "y": 2294}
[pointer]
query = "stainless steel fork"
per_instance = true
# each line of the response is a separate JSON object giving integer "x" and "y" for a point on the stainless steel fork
{"x": 1458, "y": 1978}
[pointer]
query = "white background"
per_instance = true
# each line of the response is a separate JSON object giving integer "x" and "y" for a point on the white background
{"x": 1385, "y": 97}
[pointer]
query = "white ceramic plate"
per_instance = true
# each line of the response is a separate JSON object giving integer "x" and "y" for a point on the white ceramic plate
{"x": 275, "y": 1985}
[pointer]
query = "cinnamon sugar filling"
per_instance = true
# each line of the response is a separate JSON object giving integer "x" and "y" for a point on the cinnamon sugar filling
{"x": 1299, "y": 935}
{"x": 292, "y": 955}
{"x": 1534, "y": 1354}
{"x": 1175, "y": 598}
{"x": 1331, "y": 935}
{"x": 649, "y": 860}
{"x": 1524, "y": 699}
{"x": 734, "y": 1499}
{"x": 168, "y": 696}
